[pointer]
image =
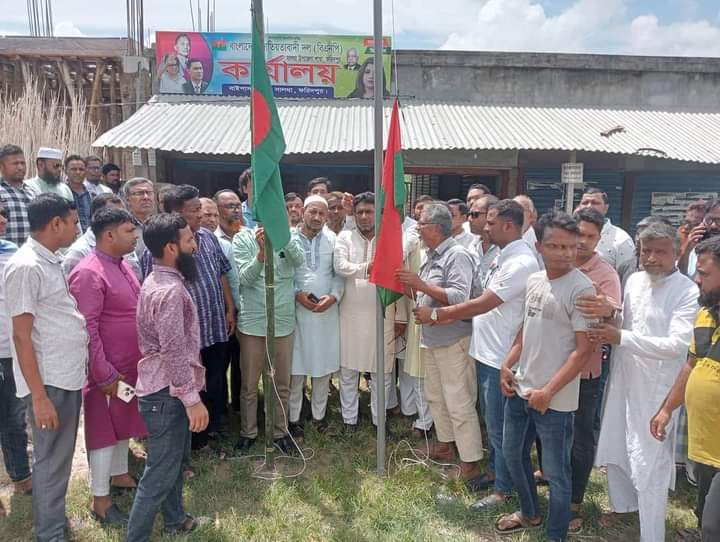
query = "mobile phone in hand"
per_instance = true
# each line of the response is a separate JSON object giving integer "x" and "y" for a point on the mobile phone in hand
{"x": 125, "y": 392}
{"x": 313, "y": 298}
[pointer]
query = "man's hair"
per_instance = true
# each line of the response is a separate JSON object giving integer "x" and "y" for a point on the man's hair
{"x": 336, "y": 194}
{"x": 160, "y": 230}
{"x": 479, "y": 186}
{"x": 422, "y": 199}
{"x": 461, "y": 205}
{"x": 712, "y": 204}
{"x": 710, "y": 246}
{"x": 438, "y": 213}
{"x": 364, "y": 197}
{"x": 529, "y": 200}
{"x": 593, "y": 190}
{"x": 74, "y": 157}
{"x": 92, "y": 158}
{"x": 107, "y": 218}
{"x": 555, "y": 220}
{"x": 9, "y": 150}
{"x": 177, "y": 38}
{"x": 652, "y": 219}
{"x": 107, "y": 168}
{"x": 592, "y": 216}
{"x": 221, "y": 192}
{"x": 510, "y": 211}
{"x": 291, "y": 196}
{"x": 244, "y": 178}
{"x": 489, "y": 200}
{"x": 132, "y": 183}
{"x": 191, "y": 61}
{"x": 178, "y": 196}
{"x": 697, "y": 205}
{"x": 103, "y": 200}
{"x": 44, "y": 208}
{"x": 658, "y": 231}
{"x": 320, "y": 180}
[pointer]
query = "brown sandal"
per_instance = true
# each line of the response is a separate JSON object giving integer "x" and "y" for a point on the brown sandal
{"x": 515, "y": 523}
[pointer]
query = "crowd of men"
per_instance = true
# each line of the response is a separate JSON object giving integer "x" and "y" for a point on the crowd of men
{"x": 559, "y": 332}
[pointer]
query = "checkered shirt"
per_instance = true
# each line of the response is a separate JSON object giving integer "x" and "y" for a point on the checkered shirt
{"x": 15, "y": 201}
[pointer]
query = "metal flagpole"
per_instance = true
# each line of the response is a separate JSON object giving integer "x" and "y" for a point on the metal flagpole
{"x": 268, "y": 387}
{"x": 379, "y": 376}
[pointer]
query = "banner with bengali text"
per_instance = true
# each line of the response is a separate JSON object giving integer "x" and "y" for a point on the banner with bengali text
{"x": 299, "y": 66}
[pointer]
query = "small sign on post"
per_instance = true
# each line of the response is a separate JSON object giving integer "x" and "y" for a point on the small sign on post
{"x": 572, "y": 173}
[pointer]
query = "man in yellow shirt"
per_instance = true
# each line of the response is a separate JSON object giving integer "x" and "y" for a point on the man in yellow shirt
{"x": 698, "y": 385}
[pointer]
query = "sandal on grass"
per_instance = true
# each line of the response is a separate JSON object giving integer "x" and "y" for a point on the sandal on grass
{"x": 576, "y": 523}
{"x": 515, "y": 523}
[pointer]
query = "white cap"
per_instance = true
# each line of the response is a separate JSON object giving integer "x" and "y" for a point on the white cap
{"x": 49, "y": 152}
{"x": 315, "y": 199}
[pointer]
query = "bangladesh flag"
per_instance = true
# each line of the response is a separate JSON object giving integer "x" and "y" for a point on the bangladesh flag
{"x": 389, "y": 248}
{"x": 268, "y": 147}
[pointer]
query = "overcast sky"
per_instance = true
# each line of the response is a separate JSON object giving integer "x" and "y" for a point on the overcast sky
{"x": 658, "y": 27}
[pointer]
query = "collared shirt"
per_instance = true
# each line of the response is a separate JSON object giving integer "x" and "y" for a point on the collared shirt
{"x": 485, "y": 258}
{"x": 451, "y": 267}
{"x": 495, "y": 330}
{"x": 247, "y": 216}
{"x": 601, "y": 273}
{"x": 251, "y": 275}
{"x": 466, "y": 238}
{"x": 226, "y": 245}
{"x": 96, "y": 189}
{"x": 169, "y": 338}
{"x": 7, "y": 249}
{"x": 37, "y": 186}
{"x": 206, "y": 290}
{"x": 35, "y": 284}
{"x": 83, "y": 246}
{"x": 615, "y": 245}
{"x": 15, "y": 201}
{"x": 83, "y": 201}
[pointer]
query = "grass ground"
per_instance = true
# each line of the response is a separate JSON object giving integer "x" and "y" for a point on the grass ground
{"x": 338, "y": 497}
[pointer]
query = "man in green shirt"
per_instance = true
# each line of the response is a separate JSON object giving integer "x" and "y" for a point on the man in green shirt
{"x": 49, "y": 177}
{"x": 248, "y": 250}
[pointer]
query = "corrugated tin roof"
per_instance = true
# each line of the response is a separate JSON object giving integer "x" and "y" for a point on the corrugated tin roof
{"x": 221, "y": 126}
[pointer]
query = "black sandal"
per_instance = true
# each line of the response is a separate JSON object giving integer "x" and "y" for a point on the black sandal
{"x": 113, "y": 516}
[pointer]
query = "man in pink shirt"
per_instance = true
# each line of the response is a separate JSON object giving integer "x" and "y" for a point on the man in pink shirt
{"x": 106, "y": 290}
{"x": 170, "y": 376}
{"x": 600, "y": 307}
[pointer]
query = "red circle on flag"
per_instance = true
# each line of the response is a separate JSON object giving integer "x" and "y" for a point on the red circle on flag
{"x": 261, "y": 117}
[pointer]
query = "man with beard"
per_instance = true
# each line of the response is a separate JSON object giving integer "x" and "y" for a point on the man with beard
{"x": 75, "y": 171}
{"x": 709, "y": 227}
{"x": 170, "y": 375}
{"x": 14, "y": 193}
{"x": 230, "y": 221}
{"x": 111, "y": 177}
{"x": 698, "y": 386}
{"x": 659, "y": 306}
{"x": 316, "y": 352}
{"x": 248, "y": 248}
{"x": 93, "y": 176}
{"x": 49, "y": 175}
{"x": 497, "y": 316}
{"x": 212, "y": 294}
{"x": 106, "y": 290}
{"x": 294, "y": 206}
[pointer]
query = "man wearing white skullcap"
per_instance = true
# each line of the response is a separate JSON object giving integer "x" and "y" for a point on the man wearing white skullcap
{"x": 49, "y": 175}
{"x": 316, "y": 352}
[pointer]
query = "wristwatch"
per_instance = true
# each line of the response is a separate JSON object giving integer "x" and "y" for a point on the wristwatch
{"x": 434, "y": 315}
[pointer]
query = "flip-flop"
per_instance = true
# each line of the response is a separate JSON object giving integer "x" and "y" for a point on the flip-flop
{"x": 575, "y": 516}
{"x": 113, "y": 516}
{"x": 521, "y": 524}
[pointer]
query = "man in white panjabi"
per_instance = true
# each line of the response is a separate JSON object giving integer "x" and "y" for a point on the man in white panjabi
{"x": 318, "y": 290}
{"x": 659, "y": 307}
{"x": 354, "y": 252}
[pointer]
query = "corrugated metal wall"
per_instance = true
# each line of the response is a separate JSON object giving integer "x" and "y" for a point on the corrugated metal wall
{"x": 547, "y": 192}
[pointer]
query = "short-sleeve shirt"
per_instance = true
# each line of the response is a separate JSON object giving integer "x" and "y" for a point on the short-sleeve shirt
{"x": 35, "y": 284}
{"x": 702, "y": 393}
{"x": 495, "y": 330}
{"x": 549, "y": 326}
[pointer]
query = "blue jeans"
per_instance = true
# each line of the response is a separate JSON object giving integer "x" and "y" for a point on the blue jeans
{"x": 492, "y": 406}
{"x": 13, "y": 430}
{"x": 555, "y": 430}
{"x": 161, "y": 485}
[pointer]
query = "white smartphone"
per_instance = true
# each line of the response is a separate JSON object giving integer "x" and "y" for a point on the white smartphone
{"x": 125, "y": 392}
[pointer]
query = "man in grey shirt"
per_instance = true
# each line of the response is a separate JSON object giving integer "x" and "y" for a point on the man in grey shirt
{"x": 50, "y": 352}
{"x": 550, "y": 350}
{"x": 445, "y": 279}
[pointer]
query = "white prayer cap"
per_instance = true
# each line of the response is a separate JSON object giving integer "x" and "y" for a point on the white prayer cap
{"x": 315, "y": 199}
{"x": 49, "y": 152}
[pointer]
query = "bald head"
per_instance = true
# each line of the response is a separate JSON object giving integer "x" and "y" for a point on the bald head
{"x": 529, "y": 210}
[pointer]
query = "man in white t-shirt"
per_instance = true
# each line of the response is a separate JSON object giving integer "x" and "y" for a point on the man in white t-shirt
{"x": 497, "y": 316}
{"x": 550, "y": 351}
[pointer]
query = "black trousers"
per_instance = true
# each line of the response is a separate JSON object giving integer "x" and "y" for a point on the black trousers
{"x": 708, "y": 505}
{"x": 213, "y": 359}
{"x": 584, "y": 442}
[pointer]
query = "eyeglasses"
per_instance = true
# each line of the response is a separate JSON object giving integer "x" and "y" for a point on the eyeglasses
{"x": 232, "y": 206}
{"x": 712, "y": 221}
{"x": 142, "y": 194}
{"x": 476, "y": 214}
